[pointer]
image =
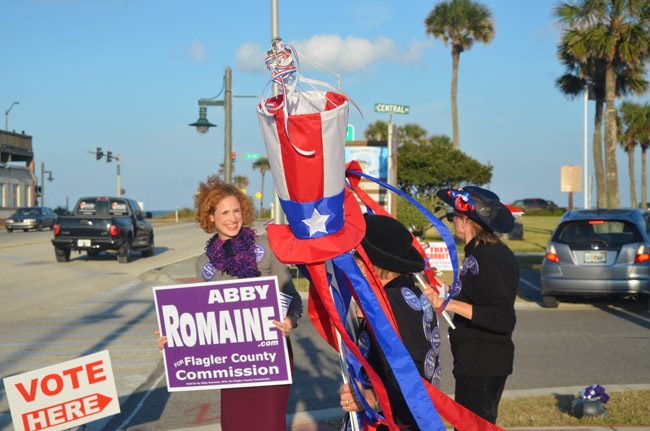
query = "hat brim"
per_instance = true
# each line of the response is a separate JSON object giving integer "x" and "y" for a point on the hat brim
{"x": 291, "y": 250}
{"x": 503, "y": 222}
{"x": 413, "y": 262}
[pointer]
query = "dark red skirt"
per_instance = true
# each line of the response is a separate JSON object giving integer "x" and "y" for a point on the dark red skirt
{"x": 255, "y": 408}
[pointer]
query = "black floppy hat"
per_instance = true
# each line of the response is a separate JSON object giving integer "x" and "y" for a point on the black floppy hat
{"x": 389, "y": 245}
{"x": 480, "y": 205}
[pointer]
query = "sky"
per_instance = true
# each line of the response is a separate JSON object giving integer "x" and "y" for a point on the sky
{"x": 126, "y": 76}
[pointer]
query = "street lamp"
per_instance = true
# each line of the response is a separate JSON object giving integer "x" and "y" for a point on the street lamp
{"x": 49, "y": 178}
{"x": 7, "y": 115}
{"x": 203, "y": 125}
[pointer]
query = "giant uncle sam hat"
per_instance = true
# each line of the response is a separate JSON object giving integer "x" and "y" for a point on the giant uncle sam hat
{"x": 304, "y": 133}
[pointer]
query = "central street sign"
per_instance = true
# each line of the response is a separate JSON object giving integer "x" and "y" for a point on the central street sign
{"x": 392, "y": 109}
{"x": 252, "y": 156}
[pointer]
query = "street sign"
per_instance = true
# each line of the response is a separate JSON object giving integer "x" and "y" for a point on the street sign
{"x": 388, "y": 108}
{"x": 350, "y": 135}
{"x": 63, "y": 396}
{"x": 252, "y": 156}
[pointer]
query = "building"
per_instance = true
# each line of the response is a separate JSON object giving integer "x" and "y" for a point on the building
{"x": 373, "y": 159}
{"x": 17, "y": 180}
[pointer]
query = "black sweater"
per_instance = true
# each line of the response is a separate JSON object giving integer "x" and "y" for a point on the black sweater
{"x": 483, "y": 346}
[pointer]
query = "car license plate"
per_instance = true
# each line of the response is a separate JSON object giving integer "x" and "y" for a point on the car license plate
{"x": 83, "y": 243}
{"x": 595, "y": 257}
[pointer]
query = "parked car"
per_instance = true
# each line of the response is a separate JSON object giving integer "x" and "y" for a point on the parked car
{"x": 104, "y": 223}
{"x": 31, "y": 218}
{"x": 535, "y": 204}
{"x": 598, "y": 252}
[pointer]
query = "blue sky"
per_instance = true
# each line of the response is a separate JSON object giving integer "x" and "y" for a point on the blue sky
{"x": 126, "y": 75}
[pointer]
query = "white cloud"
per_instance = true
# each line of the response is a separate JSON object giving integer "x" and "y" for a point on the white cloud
{"x": 197, "y": 52}
{"x": 331, "y": 51}
{"x": 250, "y": 58}
{"x": 414, "y": 52}
{"x": 351, "y": 54}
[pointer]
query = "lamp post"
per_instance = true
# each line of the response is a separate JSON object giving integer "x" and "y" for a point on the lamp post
{"x": 49, "y": 178}
{"x": 203, "y": 125}
{"x": 7, "y": 111}
{"x": 585, "y": 180}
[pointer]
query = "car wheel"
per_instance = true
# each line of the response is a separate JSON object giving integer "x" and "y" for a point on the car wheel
{"x": 9, "y": 230}
{"x": 549, "y": 301}
{"x": 123, "y": 253}
{"x": 148, "y": 252}
{"x": 25, "y": 230}
{"x": 62, "y": 254}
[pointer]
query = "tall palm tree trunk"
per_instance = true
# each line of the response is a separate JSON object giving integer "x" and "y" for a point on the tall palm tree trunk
{"x": 630, "y": 168}
{"x": 644, "y": 180}
{"x": 601, "y": 189}
{"x": 613, "y": 197}
{"x": 455, "y": 55}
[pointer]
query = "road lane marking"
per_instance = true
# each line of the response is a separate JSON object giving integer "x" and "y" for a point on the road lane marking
{"x": 529, "y": 284}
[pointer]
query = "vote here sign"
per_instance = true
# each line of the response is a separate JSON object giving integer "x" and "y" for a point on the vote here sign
{"x": 221, "y": 334}
{"x": 63, "y": 396}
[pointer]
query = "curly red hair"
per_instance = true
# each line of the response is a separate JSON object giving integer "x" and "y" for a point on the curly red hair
{"x": 208, "y": 196}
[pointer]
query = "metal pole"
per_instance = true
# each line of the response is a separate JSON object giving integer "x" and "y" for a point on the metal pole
{"x": 228, "y": 127}
{"x": 119, "y": 180}
{"x": 278, "y": 215}
{"x": 389, "y": 174}
{"x": 7, "y": 115}
{"x": 42, "y": 184}
{"x": 585, "y": 181}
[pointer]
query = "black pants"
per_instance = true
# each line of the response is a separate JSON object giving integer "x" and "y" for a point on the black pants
{"x": 480, "y": 394}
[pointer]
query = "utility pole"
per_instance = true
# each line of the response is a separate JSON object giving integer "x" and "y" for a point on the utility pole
{"x": 278, "y": 214}
{"x": 228, "y": 127}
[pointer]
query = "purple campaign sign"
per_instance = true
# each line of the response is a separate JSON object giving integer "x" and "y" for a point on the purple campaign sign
{"x": 220, "y": 334}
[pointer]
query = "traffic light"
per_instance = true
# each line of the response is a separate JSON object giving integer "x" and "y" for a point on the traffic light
{"x": 233, "y": 155}
{"x": 109, "y": 156}
{"x": 99, "y": 153}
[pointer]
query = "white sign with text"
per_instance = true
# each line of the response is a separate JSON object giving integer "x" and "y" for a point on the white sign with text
{"x": 64, "y": 395}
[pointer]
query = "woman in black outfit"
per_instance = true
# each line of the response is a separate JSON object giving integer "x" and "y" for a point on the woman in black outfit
{"x": 388, "y": 245}
{"x": 484, "y": 313}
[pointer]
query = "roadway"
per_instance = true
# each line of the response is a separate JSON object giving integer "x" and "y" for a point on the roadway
{"x": 52, "y": 312}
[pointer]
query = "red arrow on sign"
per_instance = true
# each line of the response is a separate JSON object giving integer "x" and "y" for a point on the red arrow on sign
{"x": 65, "y": 412}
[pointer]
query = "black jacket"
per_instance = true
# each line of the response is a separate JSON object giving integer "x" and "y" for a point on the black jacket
{"x": 413, "y": 323}
{"x": 483, "y": 346}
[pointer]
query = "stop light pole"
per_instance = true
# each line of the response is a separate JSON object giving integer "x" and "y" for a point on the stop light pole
{"x": 109, "y": 158}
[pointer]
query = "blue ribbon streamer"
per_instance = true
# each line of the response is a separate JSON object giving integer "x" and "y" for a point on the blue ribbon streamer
{"x": 406, "y": 373}
{"x": 442, "y": 229}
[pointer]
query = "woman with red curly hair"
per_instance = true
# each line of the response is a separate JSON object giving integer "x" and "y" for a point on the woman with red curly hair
{"x": 237, "y": 251}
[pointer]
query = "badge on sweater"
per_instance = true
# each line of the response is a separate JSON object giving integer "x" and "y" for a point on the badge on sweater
{"x": 208, "y": 271}
{"x": 259, "y": 252}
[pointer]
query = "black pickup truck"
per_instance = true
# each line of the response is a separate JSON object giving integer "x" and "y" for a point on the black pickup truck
{"x": 104, "y": 223}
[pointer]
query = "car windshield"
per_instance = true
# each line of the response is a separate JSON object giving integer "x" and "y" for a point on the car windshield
{"x": 27, "y": 212}
{"x": 611, "y": 234}
{"x": 102, "y": 207}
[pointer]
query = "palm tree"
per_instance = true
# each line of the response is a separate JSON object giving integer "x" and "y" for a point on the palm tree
{"x": 631, "y": 120}
{"x": 241, "y": 181}
{"x": 459, "y": 23}
{"x": 589, "y": 75}
{"x": 644, "y": 141}
{"x": 617, "y": 32}
{"x": 262, "y": 165}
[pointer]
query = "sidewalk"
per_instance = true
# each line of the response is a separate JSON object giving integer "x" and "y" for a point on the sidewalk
{"x": 327, "y": 419}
